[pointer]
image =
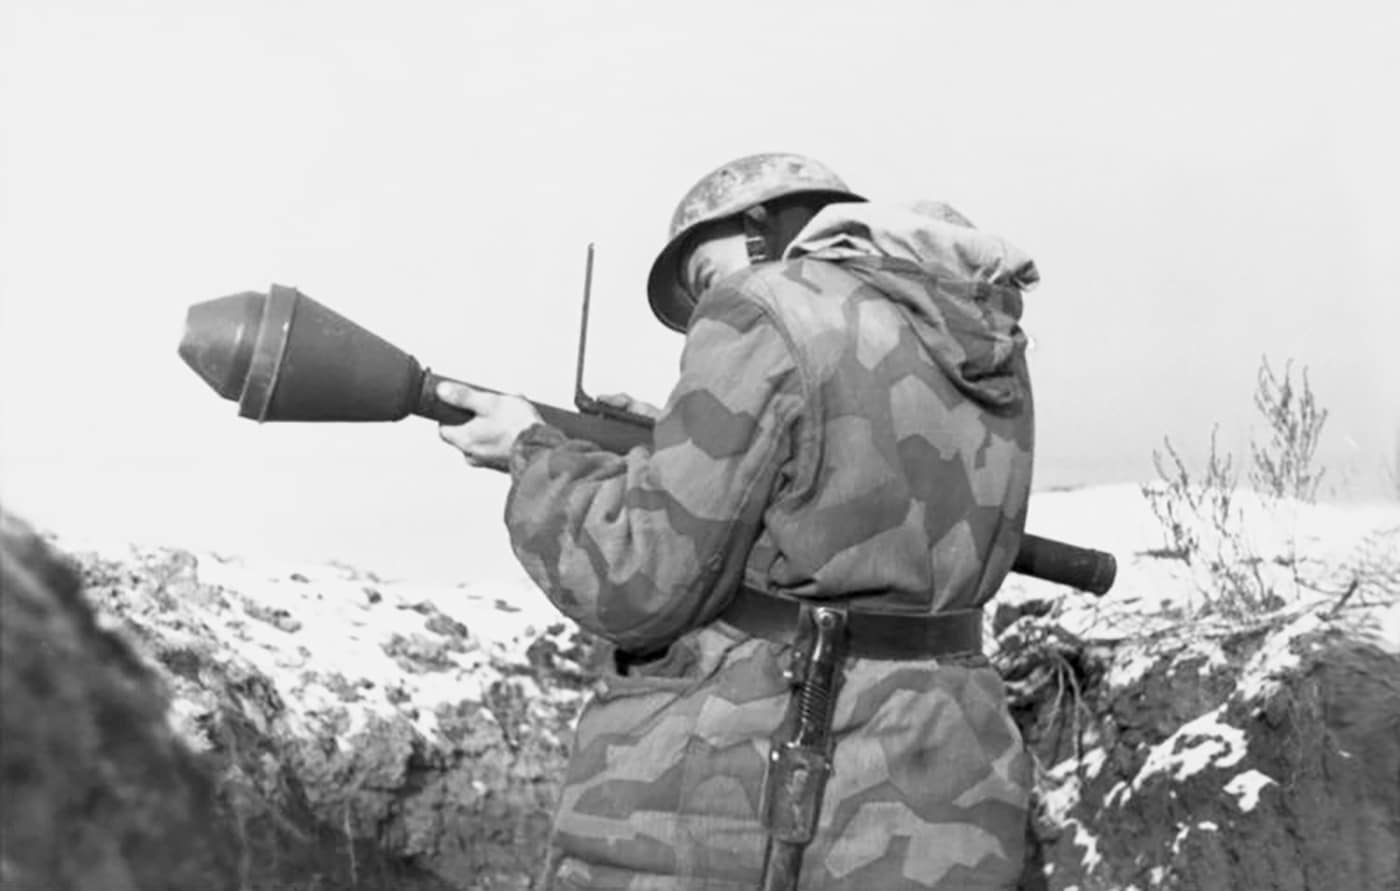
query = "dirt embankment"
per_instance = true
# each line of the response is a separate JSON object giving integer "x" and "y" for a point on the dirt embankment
{"x": 1211, "y": 748}
{"x": 99, "y": 793}
{"x": 1271, "y": 763}
{"x": 192, "y": 722}
{"x": 299, "y": 734}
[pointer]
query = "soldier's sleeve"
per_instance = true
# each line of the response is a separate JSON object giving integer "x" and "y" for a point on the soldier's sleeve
{"x": 639, "y": 548}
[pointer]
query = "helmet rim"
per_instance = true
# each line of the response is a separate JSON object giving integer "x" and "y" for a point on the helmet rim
{"x": 669, "y": 302}
{"x": 725, "y": 192}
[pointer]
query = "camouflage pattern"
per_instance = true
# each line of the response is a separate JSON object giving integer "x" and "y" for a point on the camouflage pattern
{"x": 852, "y": 422}
{"x": 725, "y": 191}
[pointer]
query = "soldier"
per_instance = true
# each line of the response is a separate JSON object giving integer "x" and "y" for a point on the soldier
{"x": 793, "y": 572}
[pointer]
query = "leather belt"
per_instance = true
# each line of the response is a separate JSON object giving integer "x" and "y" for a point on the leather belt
{"x": 871, "y": 635}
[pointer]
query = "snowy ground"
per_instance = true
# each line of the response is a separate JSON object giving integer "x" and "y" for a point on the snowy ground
{"x": 320, "y": 630}
{"x": 344, "y": 615}
{"x": 1332, "y": 543}
{"x": 345, "y": 648}
{"x": 1329, "y": 568}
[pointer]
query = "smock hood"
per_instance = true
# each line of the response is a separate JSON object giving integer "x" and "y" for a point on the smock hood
{"x": 959, "y": 287}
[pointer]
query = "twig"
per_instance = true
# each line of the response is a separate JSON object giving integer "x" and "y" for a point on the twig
{"x": 1078, "y": 696}
{"x": 1346, "y": 595}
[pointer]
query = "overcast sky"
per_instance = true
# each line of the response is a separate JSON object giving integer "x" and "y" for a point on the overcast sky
{"x": 1201, "y": 184}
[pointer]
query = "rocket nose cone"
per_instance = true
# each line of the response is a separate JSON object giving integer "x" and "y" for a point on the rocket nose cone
{"x": 218, "y": 340}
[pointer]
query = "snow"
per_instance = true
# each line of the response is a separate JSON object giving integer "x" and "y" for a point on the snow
{"x": 1060, "y": 791}
{"x": 1246, "y": 786}
{"x": 1092, "y": 762}
{"x": 1275, "y": 658}
{"x": 1182, "y": 831}
{"x": 1185, "y": 829}
{"x": 1153, "y": 594}
{"x": 1163, "y": 616}
{"x": 1118, "y": 795}
{"x": 1131, "y": 667}
{"x": 1196, "y": 745}
{"x": 1154, "y": 611}
{"x": 1090, "y": 843}
{"x": 496, "y": 611}
{"x": 316, "y": 630}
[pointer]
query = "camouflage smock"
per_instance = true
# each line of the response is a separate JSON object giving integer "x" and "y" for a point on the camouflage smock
{"x": 852, "y": 420}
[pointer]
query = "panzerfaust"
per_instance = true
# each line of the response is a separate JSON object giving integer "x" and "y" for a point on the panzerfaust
{"x": 284, "y": 357}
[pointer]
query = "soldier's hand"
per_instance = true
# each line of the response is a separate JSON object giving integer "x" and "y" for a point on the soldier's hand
{"x": 630, "y": 403}
{"x": 486, "y": 439}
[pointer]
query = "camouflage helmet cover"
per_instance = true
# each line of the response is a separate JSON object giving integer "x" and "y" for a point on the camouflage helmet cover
{"x": 725, "y": 192}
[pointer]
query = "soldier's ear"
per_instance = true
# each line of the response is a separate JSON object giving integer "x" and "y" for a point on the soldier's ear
{"x": 711, "y": 254}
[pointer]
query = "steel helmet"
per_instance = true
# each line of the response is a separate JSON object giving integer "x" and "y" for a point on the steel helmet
{"x": 726, "y": 192}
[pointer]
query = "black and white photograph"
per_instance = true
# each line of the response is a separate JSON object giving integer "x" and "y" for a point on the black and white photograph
{"x": 527, "y": 445}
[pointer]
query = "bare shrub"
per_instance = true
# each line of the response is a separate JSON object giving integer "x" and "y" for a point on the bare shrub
{"x": 1184, "y": 506}
{"x": 1284, "y": 467}
{"x": 1201, "y": 516}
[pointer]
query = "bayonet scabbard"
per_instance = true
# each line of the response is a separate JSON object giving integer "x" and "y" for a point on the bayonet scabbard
{"x": 799, "y": 762}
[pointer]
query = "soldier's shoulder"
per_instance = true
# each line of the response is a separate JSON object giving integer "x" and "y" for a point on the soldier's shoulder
{"x": 788, "y": 286}
{"x": 803, "y": 274}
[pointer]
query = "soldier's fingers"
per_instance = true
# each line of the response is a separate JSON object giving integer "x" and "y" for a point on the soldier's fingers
{"x": 626, "y": 402}
{"x": 463, "y": 396}
{"x": 463, "y": 437}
